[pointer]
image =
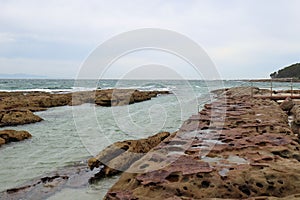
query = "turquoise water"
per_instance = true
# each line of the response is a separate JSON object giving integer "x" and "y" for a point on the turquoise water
{"x": 71, "y": 134}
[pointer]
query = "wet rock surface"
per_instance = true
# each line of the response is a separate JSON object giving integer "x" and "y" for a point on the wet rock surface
{"x": 235, "y": 148}
{"x": 120, "y": 155}
{"x": 77, "y": 176}
{"x": 7, "y": 136}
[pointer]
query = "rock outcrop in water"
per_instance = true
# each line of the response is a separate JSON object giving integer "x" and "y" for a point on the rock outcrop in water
{"x": 16, "y": 108}
{"x": 235, "y": 148}
{"x": 17, "y": 117}
{"x": 120, "y": 155}
{"x": 7, "y": 136}
{"x": 120, "y": 97}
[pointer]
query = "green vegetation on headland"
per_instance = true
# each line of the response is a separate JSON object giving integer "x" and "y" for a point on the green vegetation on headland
{"x": 292, "y": 71}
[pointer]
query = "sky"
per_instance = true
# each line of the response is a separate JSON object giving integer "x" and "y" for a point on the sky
{"x": 244, "y": 39}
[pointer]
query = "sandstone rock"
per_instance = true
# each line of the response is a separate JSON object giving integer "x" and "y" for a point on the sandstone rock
{"x": 296, "y": 113}
{"x": 120, "y": 155}
{"x": 13, "y": 136}
{"x": 241, "y": 91}
{"x": 74, "y": 177}
{"x": 2, "y": 141}
{"x": 16, "y": 107}
{"x": 79, "y": 98}
{"x": 247, "y": 155}
{"x": 121, "y": 97}
{"x": 287, "y": 104}
{"x": 18, "y": 117}
{"x": 295, "y": 128}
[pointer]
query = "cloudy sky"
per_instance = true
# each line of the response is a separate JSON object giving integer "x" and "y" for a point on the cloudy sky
{"x": 244, "y": 39}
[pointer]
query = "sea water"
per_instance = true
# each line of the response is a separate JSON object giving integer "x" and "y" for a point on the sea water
{"x": 70, "y": 134}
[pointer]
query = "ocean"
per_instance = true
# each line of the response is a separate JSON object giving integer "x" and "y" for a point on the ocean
{"x": 71, "y": 134}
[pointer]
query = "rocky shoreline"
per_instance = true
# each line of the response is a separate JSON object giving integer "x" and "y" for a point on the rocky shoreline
{"x": 252, "y": 153}
{"x": 236, "y": 147}
{"x": 16, "y": 108}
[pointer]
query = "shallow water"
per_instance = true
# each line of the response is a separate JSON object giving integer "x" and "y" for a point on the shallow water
{"x": 57, "y": 142}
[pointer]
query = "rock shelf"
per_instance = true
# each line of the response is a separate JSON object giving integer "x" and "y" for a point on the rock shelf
{"x": 235, "y": 148}
{"x": 16, "y": 108}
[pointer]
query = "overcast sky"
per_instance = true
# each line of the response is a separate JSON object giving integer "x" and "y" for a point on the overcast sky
{"x": 244, "y": 39}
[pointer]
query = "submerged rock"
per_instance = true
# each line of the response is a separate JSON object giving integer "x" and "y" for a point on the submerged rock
{"x": 76, "y": 176}
{"x": 7, "y": 136}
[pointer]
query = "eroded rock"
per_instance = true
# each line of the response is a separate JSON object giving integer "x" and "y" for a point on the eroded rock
{"x": 2, "y": 141}
{"x": 296, "y": 114}
{"x": 77, "y": 176}
{"x": 252, "y": 153}
{"x": 18, "y": 117}
{"x": 287, "y": 104}
{"x": 121, "y": 97}
{"x": 16, "y": 107}
{"x": 7, "y": 136}
{"x": 120, "y": 155}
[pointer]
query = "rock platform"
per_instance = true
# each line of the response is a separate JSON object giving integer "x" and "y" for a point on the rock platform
{"x": 235, "y": 148}
{"x": 16, "y": 108}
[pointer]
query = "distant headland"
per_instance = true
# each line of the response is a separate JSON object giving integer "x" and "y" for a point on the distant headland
{"x": 292, "y": 71}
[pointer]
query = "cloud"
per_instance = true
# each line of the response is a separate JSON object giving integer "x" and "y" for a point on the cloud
{"x": 238, "y": 35}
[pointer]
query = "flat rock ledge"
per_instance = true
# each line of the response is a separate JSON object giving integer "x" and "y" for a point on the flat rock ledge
{"x": 119, "y": 156}
{"x": 16, "y": 108}
{"x": 235, "y": 148}
{"x": 7, "y": 136}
